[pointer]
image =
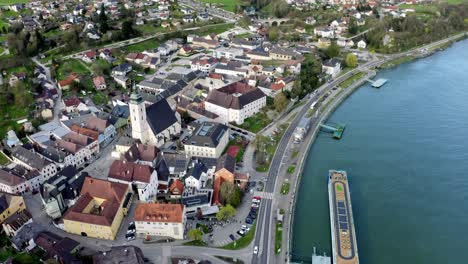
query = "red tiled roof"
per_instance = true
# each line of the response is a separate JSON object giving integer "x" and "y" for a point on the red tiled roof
{"x": 85, "y": 131}
{"x": 130, "y": 172}
{"x": 72, "y": 101}
{"x": 71, "y": 78}
{"x": 167, "y": 213}
{"x": 178, "y": 186}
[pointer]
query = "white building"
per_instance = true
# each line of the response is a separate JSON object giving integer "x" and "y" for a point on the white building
{"x": 361, "y": 44}
{"x": 155, "y": 124}
{"x": 198, "y": 176}
{"x": 204, "y": 64}
{"x": 33, "y": 161}
{"x": 208, "y": 140}
{"x": 332, "y": 67}
{"x": 235, "y": 102}
{"x": 162, "y": 220}
{"x": 228, "y": 53}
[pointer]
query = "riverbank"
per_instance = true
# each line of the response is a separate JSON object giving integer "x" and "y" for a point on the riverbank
{"x": 328, "y": 110}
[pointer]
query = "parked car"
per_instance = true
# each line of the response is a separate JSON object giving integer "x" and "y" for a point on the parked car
{"x": 241, "y": 232}
{"x": 130, "y": 238}
{"x": 231, "y": 236}
{"x": 248, "y": 220}
{"x": 243, "y": 227}
{"x": 130, "y": 231}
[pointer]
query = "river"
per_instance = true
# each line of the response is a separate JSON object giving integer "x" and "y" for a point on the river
{"x": 405, "y": 149}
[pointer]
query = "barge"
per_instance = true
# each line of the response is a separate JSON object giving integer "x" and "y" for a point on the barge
{"x": 344, "y": 246}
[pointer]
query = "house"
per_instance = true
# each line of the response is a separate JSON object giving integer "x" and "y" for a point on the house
{"x": 186, "y": 50}
{"x": 90, "y": 56}
{"x": 33, "y": 161}
{"x": 172, "y": 164}
{"x": 120, "y": 254}
{"x": 235, "y": 102}
{"x": 324, "y": 43}
{"x": 176, "y": 189}
{"x": 13, "y": 224}
{"x": 224, "y": 172}
{"x": 160, "y": 220}
{"x": 74, "y": 104}
{"x": 122, "y": 69}
{"x": 204, "y": 43}
{"x": 57, "y": 248}
{"x": 142, "y": 154}
{"x": 12, "y": 139}
{"x": 24, "y": 237}
{"x": 140, "y": 177}
{"x": 208, "y": 140}
{"x": 89, "y": 124}
{"x": 65, "y": 84}
{"x": 155, "y": 124}
{"x": 121, "y": 80}
{"x": 227, "y": 52}
{"x": 10, "y": 204}
{"x": 332, "y": 67}
{"x": 99, "y": 83}
{"x": 198, "y": 176}
{"x": 61, "y": 191}
{"x": 232, "y": 68}
{"x": 361, "y": 44}
{"x": 310, "y": 21}
{"x": 100, "y": 209}
{"x": 204, "y": 64}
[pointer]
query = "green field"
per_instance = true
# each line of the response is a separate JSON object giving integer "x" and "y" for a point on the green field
{"x": 71, "y": 66}
{"x": 10, "y": 2}
{"x": 256, "y": 123}
{"x": 229, "y": 5}
{"x": 351, "y": 80}
{"x": 142, "y": 46}
{"x": 421, "y": 8}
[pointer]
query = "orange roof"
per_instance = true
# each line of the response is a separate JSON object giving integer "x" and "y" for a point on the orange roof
{"x": 112, "y": 193}
{"x": 277, "y": 86}
{"x": 72, "y": 77}
{"x": 168, "y": 213}
{"x": 216, "y": 187}
{"x": 177, "y": 185}
{"x": 85, "y": 131}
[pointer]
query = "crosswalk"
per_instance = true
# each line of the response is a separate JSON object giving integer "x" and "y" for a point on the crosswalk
{"x": 264, "y": 195}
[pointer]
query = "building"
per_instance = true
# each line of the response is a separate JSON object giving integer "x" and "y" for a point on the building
{"x": 205, "y": 64}
{"x": 235, "y": 102}
{"x": 173, "y": 164}
{"x": 361, "y": 44}
{"x": 10, "y": 204}
{"x": 142, "y": 154}
{"x": 198, "y": 176}
{"x": 57, "y": 248}
{"x": 34, "y": 161}
{"x": 155, "y": 124}
{"x": 224, "y": 172}
{"x": 208, "y": 140}
{"x": 162, "y": 220}
{"x": 99, "y": 83}
{"x": 13, "y": 224}
{"x": 176, "y": 189}
{"x": 61, "y": 191}
{"x": 120, "y": 254}
{"x": 100, "y": 209}
{"x": 143, "y": 177}
{"x": 332, "y": 67}
{"x": 228, "y": 53}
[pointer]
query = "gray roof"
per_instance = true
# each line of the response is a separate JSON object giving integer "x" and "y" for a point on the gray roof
{"x": 26, "y": 233}
{"x": 227, "y": 162}
{"x": 160, "y": 116}
{"x": 207, "y": 134}
{"x": 120, "y": 254}
{"x": 174, "y": 160}
{"x": 197, "y": 170}
{"x": 30, "y": 158}
{"x": 332, "y": 62}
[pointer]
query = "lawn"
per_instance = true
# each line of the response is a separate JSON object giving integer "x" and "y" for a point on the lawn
{"x": 10, "y": 2}
{"x": 278, "y": 237}
{"x": 71, "y": 66}
{"x": 142, "y": 46}
{"x": 421, "y": 8}
{"x": 256, "y": 123}
{"x": 229, "y": 5}
{"x": 285, "y": 188}
{"x": 100, "y": 98}
{"x": 150, "y": 29}
{"x": 243, "y": 241}
{"x": 292, "y": 168}
{"x": 346, "y": 83}
{"x": 3, "y": 159}
{"x": 398, "y": 61}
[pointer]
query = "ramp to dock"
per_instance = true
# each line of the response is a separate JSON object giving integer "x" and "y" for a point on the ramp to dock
{"x": 378, "y": 83}
{"x": 336, "y": 129}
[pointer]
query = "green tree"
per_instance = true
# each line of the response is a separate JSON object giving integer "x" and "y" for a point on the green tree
{"x": 273, "y": 33}
{"x": 281, "y": 102}
{"x": 225, "y": 212}
{"x": 351, "y": 60}
{"x": 230, "y": 194}
{"x": 333, "y": 51}
{"x": 127, "y": 29}
{"x": 353, "y": 27}
{"x": 103, "y": 25}
{"x": 195, "y": 234}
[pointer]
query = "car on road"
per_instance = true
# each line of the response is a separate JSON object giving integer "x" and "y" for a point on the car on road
{"x": 255, "y": 250}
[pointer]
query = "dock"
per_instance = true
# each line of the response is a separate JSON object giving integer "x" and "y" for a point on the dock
{"x": 336, "y": 129}
{"x": 378, "y": 83}
{"x": 344, "y": 245}
{"x": 317, "y": 259}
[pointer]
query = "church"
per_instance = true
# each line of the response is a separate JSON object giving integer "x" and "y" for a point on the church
{"x": 154, "y": 124}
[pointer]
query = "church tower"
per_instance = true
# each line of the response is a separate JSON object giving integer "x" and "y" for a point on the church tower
{"x": 137, "y": 109}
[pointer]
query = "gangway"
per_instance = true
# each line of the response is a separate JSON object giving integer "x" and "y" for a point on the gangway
{"x": 336, "y": 129}
{"x": 377, "y": 83}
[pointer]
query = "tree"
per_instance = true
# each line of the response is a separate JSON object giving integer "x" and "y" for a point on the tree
{"x": 230, "y": 194}
{"x": 273, "y": 33}
{"x": 195, "y": 234}
{"x": 103, "y": 26}
{"x": 353, "y": 27}
{"x": 333, "y": 50}
{"x": 225, "y": 212}
{"x": 281, "y": 102}
{"x": 351, "y": 60}
{"x": 127, "y": 29}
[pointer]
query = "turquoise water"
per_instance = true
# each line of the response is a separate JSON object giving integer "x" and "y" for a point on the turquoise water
{"x": 405, "y": 149}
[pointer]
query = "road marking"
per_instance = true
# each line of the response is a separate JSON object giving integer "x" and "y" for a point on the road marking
{"x": 264, "y": 195}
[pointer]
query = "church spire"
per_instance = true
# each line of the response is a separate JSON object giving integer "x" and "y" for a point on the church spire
{"x": 135, "y": 96}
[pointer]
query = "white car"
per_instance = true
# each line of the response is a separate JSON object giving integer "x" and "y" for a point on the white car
{"x": 131, "y": 231}
{"x": 255, "y": 250}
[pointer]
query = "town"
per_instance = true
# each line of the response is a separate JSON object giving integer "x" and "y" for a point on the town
{"x": 164, "y": 131}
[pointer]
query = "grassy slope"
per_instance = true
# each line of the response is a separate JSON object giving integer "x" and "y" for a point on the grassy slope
{"x": 229, "y": 5}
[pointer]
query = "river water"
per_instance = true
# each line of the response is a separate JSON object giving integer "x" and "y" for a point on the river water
{"x": 405, "y": 149}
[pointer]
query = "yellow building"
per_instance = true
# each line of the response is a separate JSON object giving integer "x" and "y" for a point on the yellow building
{"x": 9, "y": 205}
{"x": 100, "y": 209}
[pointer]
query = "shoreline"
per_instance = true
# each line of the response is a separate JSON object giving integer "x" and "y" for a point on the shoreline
{"x": 330, "y": 108}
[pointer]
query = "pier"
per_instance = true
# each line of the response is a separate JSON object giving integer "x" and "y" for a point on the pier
{"x": 344, "y": 245}
{"x": 336, "y": 129}
{"x": 378, "y": 83}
